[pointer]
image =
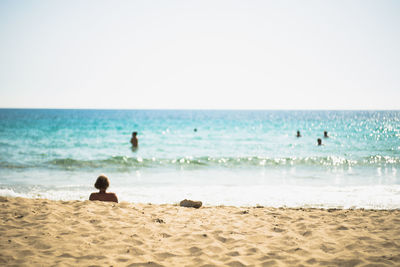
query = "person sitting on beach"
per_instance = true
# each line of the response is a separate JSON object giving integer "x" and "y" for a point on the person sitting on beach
{"x": 134, "y": 140}
{"x": 298, "y": 134}
{"x": 102, "y": 184}
{"x": 326, "y": 134}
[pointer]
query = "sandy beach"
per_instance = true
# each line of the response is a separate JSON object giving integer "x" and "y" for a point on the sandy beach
{"x": 40, "y": 232}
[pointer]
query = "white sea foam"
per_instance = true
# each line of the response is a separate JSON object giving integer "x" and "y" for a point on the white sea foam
{"x": 369, "y": 197}
{"x": 10, "y": 193}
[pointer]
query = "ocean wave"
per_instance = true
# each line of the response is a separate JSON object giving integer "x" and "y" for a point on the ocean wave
{"x": 330, "y": 161}
{"x": 129, "y": 163}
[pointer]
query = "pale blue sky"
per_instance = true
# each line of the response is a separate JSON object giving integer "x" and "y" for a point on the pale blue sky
{"x": 200, "y": 54}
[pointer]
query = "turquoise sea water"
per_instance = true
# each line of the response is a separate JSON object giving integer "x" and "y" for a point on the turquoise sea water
{"x": 234, "y": 157}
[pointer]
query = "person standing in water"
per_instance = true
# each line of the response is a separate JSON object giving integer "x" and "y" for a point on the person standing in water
{"x": 319, "y": 141}
{"x": 298, "y": 134}
{"x": 102, "y": 184}
{"x": 326, "y": 134}
{"x": 134, "y": 140}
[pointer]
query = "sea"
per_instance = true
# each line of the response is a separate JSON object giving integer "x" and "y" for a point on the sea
{"x": 221, "y": 157}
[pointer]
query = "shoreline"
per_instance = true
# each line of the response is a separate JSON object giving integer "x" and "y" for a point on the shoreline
{"x": 80, "y": 233}
{"x": 378, "y": 197}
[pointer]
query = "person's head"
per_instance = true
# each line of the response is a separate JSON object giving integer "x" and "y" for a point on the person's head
{"x": 134, "y": 134}
{"x": 102, "y": 182}
{"x": 319, "y": 141}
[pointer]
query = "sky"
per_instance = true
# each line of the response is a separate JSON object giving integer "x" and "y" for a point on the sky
{"x": 340, "y": 54}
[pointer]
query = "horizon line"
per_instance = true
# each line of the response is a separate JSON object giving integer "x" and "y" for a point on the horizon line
{"x": 198, "y": 109}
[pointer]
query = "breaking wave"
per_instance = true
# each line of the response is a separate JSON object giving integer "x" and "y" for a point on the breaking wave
{"x": 128, "y": 163}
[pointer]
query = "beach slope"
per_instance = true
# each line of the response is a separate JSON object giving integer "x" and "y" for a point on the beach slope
{"x": 40, "y": 232}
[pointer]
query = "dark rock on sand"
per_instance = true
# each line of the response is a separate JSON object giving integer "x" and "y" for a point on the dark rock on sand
{"x": 190, "y": 203}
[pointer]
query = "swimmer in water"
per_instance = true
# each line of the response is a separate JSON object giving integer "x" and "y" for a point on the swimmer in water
{"x": 134, "y": 140}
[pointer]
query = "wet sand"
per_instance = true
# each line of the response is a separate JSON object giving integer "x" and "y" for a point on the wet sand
{"x": 40, "y": 232}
